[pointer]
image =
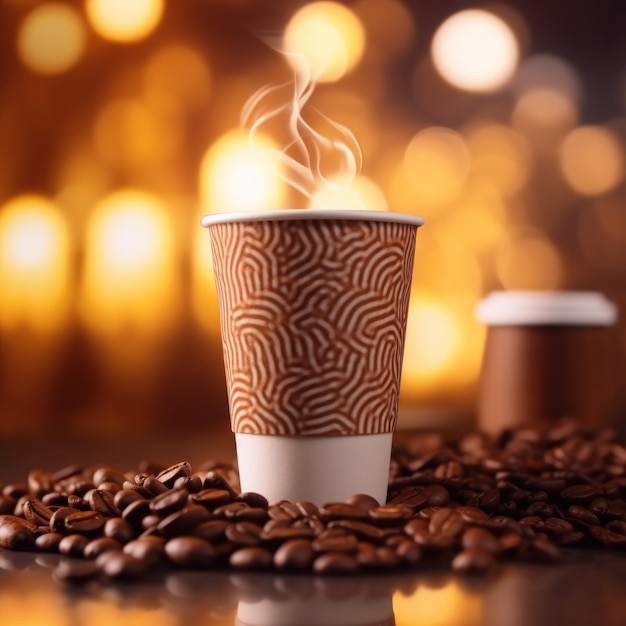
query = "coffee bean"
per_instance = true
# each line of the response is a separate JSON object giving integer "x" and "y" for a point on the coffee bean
{"x": 607, "y": 509}
{"x": 607, "y": 537}
{"x": 39, "y": 483}
{"x": 118, "y": 529}
{"x": 390, "y": 515}
{"x": 244, "y": 533}
{"x": 341, "y": 511}
{"x": 192, "y": 484}
{"x": 471, "y": 514}
{"x": 308, "y": 509}
{"x": 556, "y": 526}
{"x": 363, "y": 501}
{"x": 190, "y": 552}
{"x": 212, "y": 498}
{"x": 107, "y": 475}
{"x": 183, "y": 522}
{"x": 125, "y": 498}
{"x": 16, "y": 533}
{"x": 437, "y": 495}
{"x": 481, "y": 539}
{"x": 371, "y": 557}
{"x": 254, "y": 500}
{"x": 409, "y": 552}
{"x": 48, "y": 542}
{"x": 335, "y": 563}
{"x": 8, "y": 504}
{"x": 96, "y": 547}
{"x": 169, "y": 475}
{"x": 136, "y": 511}
{"x": 510, "y": 542}
{"x": 87, "y": 523}
{"x": 277, "y": 535}
{"x": 472, "y": 561}
{"x": 214, "y": 480}
{"x": 362, "y": 530}
{"x": 36, "y": 512}
{"x": 446, "y": 523}
{"x": 414, "y": 497}
{"x": 73, "y": 545}
{"x": 284, "y": 510}
{"x": 213, "y": 531}
{"x": 339, "y": 541}
{"x": 579, "y": 493}
{"x": 582, "y": 514}
{"x": 251, "y": 558}
{"x": 57, "y": 519}
{"x": 295, "y": 555}
{"x": 103, "y": 503}
{"x": 617, "y": 526}
{"x": 150, "y": 549}
{"x": 156, "y": 487}
{"x": 169, "y": 502}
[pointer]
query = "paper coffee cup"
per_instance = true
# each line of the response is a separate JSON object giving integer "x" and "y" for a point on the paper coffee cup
{"x": 313, "y": 310}
{"x": 547, "y": 356}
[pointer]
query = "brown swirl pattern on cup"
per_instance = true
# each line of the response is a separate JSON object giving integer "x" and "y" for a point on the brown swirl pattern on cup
{"x": 313, "y": 318}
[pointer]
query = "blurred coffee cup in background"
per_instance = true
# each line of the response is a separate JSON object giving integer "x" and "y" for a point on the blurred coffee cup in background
{"x": 547, "y": 356}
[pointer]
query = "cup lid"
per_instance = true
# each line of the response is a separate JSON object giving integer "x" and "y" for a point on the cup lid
{"x": 574, "y": 308}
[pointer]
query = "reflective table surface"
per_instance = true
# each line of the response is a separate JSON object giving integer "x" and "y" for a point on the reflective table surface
{"x": 588, "y": 588}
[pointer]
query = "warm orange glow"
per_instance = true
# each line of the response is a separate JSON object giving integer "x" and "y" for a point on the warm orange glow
{"x": 389, "y": 32}
{"x": 34, "y": 265}
{"x": 436, "y": 164}
{"x": 328, "y": 37}
{"x": 51, "y": 39}
{"x": 475, "y": 50}
{"x": 362, "y": 193}
{"x": 478, "y": 222}
{"x": 544, "y": 115}
{"x": 530, "y": 262}
{"x": 592, "y": 160}
{"x": 546, "y": 71}
{"x": 236, "y": 176}
{"x": 204, "y": 300}
{"x": 124, "y": 20}
{"x": 181, "y": 72}
{"x": 437, "y": 606}
{"x": 133, "y": 132}
{"x": 130, "y": 274}
{"x": 433, "y": 339}
{"x": 500, "y": 156}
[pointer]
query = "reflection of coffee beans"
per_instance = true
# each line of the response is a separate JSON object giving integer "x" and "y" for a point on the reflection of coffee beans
{"x": 523, "y": 496}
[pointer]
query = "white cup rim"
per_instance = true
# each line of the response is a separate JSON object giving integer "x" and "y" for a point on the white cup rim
{"x": 312, "y": 214}
{"x": 528, "y": 308}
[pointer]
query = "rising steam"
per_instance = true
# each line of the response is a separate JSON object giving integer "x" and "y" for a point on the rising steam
{"x": 308, "y": 160}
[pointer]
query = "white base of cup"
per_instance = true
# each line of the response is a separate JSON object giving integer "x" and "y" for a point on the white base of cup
{"x": 317, "y": 469}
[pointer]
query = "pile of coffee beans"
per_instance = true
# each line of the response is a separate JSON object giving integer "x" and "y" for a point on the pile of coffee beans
{"x": 468, "y": 505}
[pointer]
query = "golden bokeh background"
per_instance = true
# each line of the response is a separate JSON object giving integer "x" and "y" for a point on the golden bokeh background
{"x": 120, "y": 126}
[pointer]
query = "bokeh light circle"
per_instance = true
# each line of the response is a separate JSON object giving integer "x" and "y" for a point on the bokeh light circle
{"x": 328, "y": 37}
{"x": 51, "y": 38}
{"x": 530, "y": 262}
{"x": 475, "y": 50}
{"x": 436, "y": 164}
{"x": 124, "y": 20}
{"x": 592, "y": 160}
